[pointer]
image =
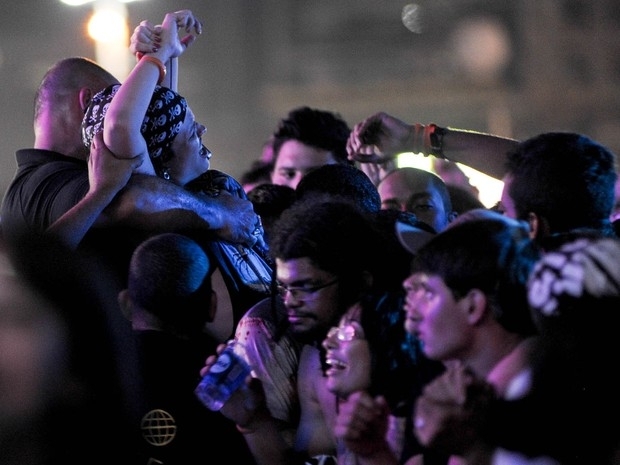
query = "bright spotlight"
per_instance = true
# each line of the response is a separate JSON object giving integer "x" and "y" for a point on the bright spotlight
{"x": 107, "y": 26}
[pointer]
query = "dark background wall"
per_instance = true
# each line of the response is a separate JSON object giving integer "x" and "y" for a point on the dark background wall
{"x": 516, "y": 67}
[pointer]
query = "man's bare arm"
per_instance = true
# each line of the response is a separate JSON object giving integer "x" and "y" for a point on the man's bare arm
{"x": 154, "y": 204}
{"x": 107, "y": 175}
{"x": 380, "y": 137}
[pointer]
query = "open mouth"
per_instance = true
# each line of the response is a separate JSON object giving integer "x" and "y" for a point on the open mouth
{"x": 205, "y": 153}
{"x": 335, "y": 363}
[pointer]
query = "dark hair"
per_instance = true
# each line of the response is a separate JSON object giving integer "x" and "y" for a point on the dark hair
{"x": 169, "y": 276}
{"x": 269, "y": 201}
{"x": 398, "y": 367}
{"x": 258, "y": 172}
{"x": 318, "y": 128}
{"x": 566, "y": 178}
{"x": 494, "y": 255}
{"x": 335, "y": 236}
{"x": 346, "y": 181}
{"x": 463, "y": 199}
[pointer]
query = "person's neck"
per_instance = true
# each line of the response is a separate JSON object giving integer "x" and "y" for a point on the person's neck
{"x": 491, "y": 351}
{"x": 63, "y": 147}
{"x": 60, "y": 135}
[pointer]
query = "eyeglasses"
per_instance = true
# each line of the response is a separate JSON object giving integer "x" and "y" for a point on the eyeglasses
{"x": 344, "y": 333}
{"x": 302, "y": 293}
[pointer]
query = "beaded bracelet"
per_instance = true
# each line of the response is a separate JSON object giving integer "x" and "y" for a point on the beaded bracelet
{"x": 157, "y": 62}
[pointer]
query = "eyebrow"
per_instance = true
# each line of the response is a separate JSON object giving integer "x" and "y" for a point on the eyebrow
{"x": 419, "y": 196}
{"x": 296, "y": 283}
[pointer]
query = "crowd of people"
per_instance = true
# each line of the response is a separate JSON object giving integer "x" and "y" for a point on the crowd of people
{"x": 388, "y": 316}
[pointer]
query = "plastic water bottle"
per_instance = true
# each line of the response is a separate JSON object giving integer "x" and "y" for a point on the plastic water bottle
{"x": 225, "y": 376}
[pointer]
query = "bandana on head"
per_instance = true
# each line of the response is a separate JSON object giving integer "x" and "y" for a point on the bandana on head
{"x": 577, "y": 272}
{"x": 162, "y": 121}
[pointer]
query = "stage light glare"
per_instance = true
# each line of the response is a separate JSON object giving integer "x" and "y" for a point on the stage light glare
{"x": 107, "y": 26}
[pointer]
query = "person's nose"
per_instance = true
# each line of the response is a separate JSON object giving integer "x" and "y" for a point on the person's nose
{"x": 331, "y": 340}
{"x": 201, "y": 130}
{"x": 411, "y": 308}
{"x": 412, "y": 300}
{"x": 290, "y": 300}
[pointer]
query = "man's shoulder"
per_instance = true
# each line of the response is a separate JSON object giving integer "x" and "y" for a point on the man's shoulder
{"x": 45, "y": 166}
{"x": 34, "y": 165}
{"x": 310, "y": 359}
{"x": 270, "y": 309}
{"x": 46, "y": 184}
{"x": 36, "y": 157}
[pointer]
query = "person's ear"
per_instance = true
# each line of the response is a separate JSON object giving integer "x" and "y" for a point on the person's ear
{"x": 476, "y": 305}
{"x": 124, "y": 301}
{"x": 85, "y": 96}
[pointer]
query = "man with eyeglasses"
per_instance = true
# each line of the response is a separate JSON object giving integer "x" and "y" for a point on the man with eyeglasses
{"x": 323, "y": 265}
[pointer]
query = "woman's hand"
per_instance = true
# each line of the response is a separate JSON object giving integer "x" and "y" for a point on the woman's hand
{"x": 146, "y": 37}
{"x": 362, "y": 423}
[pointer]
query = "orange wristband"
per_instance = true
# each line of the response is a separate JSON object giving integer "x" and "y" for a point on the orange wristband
{"x": 157, "y": 62}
